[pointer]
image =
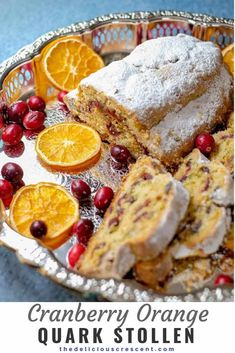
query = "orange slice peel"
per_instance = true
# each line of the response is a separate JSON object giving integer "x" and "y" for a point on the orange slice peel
{"x": 69, "y": 146}
{"x": 68, "y": 61}
{"x": 228, "y": 54}
{"x": 47, "y": 202}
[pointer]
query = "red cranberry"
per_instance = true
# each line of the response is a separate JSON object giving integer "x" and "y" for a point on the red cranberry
{"x": 12, "y": 134}
{"x": 103, "y": 198}
{"x": 74, "y": 254}
{"x": 3, "y": 113}
{"x": 7, "y": 201}
{"x": 18, "y": 185}
{"x": 36, "y": 103}
{"x": 83, "y": 230}
{"x": 14, "y": 151}
{"x": 32, "y": 134}
{"x": 61, "y": 95}
{"x": 12, "y": 172}
{"x": 80, "y": 189}
{"x": 33, "y": 120}
{"x": 205, "y": 142}
{"x": 2, "y": 122}
{"x": 17, "y": 111}
{"x": 38, "y": 229}
{"x": 120, "y": 153}
{"x": 6, "y": 189}
{"x": 223, "y": 280}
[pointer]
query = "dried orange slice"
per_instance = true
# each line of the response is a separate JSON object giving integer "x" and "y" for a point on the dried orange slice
{"x": 68, "y": 61}
{"x": 47, "y": 202}
{"x": 68, "y": 146}
{"x": 228, "y": 54}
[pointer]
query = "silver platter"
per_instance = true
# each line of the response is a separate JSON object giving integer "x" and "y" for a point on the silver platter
{"x": 112, "y": 36}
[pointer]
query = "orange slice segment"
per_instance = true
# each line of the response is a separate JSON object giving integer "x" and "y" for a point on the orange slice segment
{"x": 68, "y": 146}
{"x": 47, "y": 202}
{"x": 228, "y": 54}
{"x": 68, "y": 61}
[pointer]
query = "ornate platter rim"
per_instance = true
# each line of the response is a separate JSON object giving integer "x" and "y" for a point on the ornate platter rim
{"x": 30, "y": 252}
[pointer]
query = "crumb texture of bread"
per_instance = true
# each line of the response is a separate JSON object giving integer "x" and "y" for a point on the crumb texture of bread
{"x": 158, "y": 75}
{"x": 165, "y": 274}
{"x": 139, "y": 224}
{"x": 158, "y": 98}
{"x": 154, "y": 272}
{"x": 224, "y": 146}
{"x": 206, "y": 227}
{"x": 211, "y": 190}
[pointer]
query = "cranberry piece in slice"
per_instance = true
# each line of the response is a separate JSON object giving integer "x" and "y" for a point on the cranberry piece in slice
{"x": 38, "y": 229}
{"x": 12, "y": 172}
{"x": 120, "y": 153}
{"x": 205, "y": 143}
{"x": 223, "y": 280}
{"x": 33, "y": 120}
{"x": 6, "y": 189}
{"x": 36, "y": 103}
{"x": 61, "y": 95}
{"x": 80, "y": 189}
{"x": 12, "y": 134}
{"x": 74, "y": 254}
{"x": 83, "y": 230}
{"x": 17, "y": 111}
{"x": 103, "y": 198}
{"x": 14, "y": 151}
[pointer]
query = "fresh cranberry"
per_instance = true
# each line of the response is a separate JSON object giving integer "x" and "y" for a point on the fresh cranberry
{"x": 32, "y": 134}
{"x": 74, "y": 254}
{"x": 12, "y": 172}
{"x": 80, "y": 189}
{"x": 12, "y": 134}
{"x": 83, "y": 230}
{"x": 38, "y": 229}
{"x": 33, "y": 120}
{"x": 120, "y": 153}
{"x": 14, "y": 151}
{"x": 6, "y": 189}
{"x": 2, "y": 122}
{"x": 205, "y": 143}
{"x": 36, "y": 103}
{"x": 7, "y": 201}
{"x": 3, "y": 114}
{"x": 17, "y": 111}
{"x": 103, "y": 198}
{"x": 18, "y": 185}
{"x": 61, "y": 95}
{"x": 223, "y": 280}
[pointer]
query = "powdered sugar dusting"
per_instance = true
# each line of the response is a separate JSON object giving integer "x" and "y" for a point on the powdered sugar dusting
{"x": 158, "y": 75}
{"x": 179, "y": 126}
